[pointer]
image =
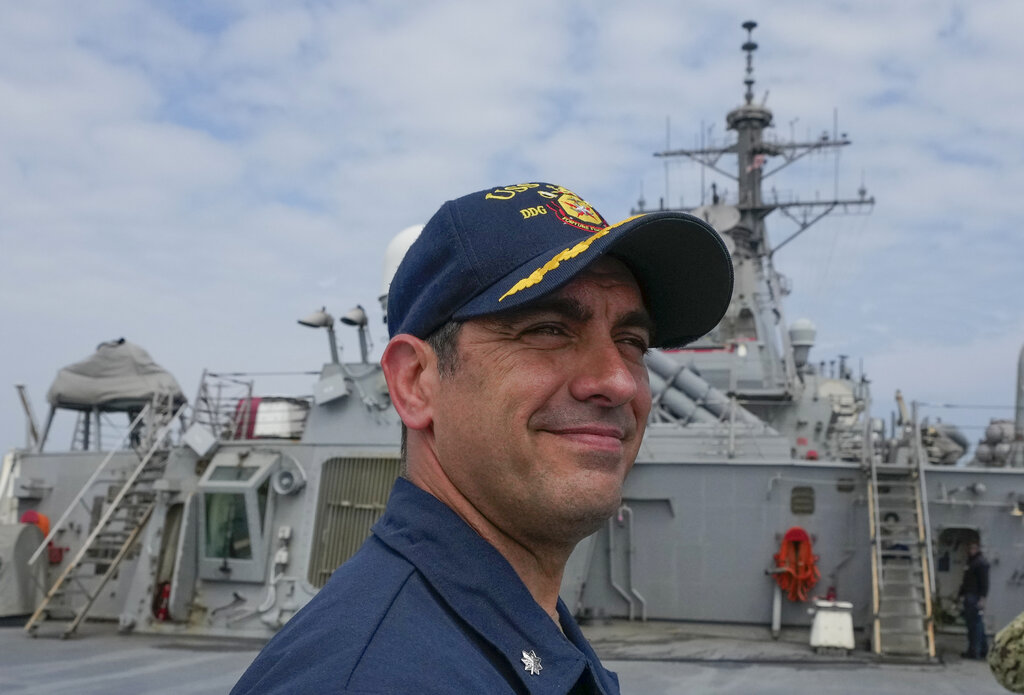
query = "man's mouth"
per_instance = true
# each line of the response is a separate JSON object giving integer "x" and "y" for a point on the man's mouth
{"x": 602, "y": 437}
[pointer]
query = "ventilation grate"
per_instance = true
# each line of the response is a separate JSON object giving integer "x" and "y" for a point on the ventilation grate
{"x": 353, "y": 494}
{"x": 801, "y": 500}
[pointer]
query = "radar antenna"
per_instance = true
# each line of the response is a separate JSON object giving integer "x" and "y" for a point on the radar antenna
{"x": 749, "y": 46}
{"x": 753, "y": 153}
{"x": 741, "y": 218}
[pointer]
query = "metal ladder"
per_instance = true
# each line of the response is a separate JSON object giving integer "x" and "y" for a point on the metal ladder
{"x": 901, "y": 563}
{"x": 117, "y": 531}
{"x": 82, "y": 436}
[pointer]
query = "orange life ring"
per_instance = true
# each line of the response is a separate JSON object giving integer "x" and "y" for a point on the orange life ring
{"x": 796, "y": 565}
{"x": 40, "y": 520}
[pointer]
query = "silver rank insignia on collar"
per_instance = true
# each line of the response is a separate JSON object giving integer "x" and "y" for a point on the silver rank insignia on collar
{"x": 532, "y": 662}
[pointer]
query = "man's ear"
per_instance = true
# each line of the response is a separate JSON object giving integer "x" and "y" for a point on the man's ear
{"x": 410, "y": 368}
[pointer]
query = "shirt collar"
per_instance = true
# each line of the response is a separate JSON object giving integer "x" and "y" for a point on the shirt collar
{"x": 480, "y": 585}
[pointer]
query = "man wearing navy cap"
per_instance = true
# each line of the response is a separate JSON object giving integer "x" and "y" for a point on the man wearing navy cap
{"x": 519, "y": 320}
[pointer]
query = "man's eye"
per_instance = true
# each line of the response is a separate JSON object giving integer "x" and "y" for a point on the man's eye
{"x": 635, "y": 342}
{"x": 547, "y": 329}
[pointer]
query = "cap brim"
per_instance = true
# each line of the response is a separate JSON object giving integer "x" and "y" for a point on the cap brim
{"x": 680, "y": 263}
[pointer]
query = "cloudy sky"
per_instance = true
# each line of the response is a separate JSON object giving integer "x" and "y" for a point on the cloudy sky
{"x": 197, "y": 176}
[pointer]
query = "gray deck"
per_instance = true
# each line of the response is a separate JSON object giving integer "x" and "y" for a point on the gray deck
{"x": 656, "y": 659}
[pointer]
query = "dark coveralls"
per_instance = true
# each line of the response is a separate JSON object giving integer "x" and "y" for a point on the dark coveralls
{"x": 974, "y": 587}
{"x": 426, "y": 607}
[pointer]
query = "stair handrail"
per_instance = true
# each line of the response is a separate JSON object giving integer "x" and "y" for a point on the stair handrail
{"x": 925, "y": 534}
{"x": 158, "y": 442}
{"x": 876, "y": 519}
{"x": 56, "y": 528}
{"x": 924, "y": 517}
{"x": 112, "y": 507}
{"x": 114, "y": 564}
{"x": 874, "y": 523}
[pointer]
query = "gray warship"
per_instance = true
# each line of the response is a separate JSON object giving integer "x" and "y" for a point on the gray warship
{"x": 763, "y": 482}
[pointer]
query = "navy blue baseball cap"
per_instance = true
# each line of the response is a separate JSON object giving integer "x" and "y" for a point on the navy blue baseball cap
{"x": 502, "y": 248}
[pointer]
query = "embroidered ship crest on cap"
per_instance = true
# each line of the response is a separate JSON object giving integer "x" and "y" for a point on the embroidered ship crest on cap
{"x": 571, "y": 209}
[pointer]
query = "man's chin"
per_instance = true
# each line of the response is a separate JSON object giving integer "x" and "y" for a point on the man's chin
{"x": 592, "y": 514}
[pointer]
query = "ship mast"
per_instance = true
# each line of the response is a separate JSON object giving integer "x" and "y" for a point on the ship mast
{"x": 752, "y": 154}
{"x": 752, "y": 254}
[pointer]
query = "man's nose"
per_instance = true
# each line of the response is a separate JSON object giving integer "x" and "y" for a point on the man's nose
{"x": 602, "y": 374}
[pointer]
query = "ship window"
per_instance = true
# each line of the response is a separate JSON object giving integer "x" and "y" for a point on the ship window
{"x": 801, "y": 500}
{"x": 235, "y": 514}
{"x": 233, "y": 472}
{"x": 846, "y": 485}
{"x": 227, "y": 531}
{"x": 353, "y": 493}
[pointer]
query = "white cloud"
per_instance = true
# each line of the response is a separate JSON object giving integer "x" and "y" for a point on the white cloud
{"x": 196, "y": 178}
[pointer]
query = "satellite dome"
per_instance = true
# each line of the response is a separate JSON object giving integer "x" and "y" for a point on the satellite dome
{"x": 801, "y": 336}
{"x": 393, "y": 255}
{"x": 803, "y": 332}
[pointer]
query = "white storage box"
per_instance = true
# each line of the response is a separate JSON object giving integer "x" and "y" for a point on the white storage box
{"x": 833, "y": 625}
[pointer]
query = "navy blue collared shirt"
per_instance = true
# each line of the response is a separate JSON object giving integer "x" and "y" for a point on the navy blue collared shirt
{"x": 426, "y": 606}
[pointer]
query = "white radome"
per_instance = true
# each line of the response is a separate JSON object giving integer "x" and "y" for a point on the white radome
{"x": 393, "y": 255}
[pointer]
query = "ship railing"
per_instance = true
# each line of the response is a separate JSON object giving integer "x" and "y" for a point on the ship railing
{"x": 107, "y": 432}
{"x": 226, "y": 404}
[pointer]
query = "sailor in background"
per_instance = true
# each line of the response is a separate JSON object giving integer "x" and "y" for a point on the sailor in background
{"x": 973, "y": 590}
{"x": 519, "y": 321}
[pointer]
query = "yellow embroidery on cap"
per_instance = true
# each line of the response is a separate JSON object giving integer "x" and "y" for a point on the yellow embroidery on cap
{"x": 538, "y": 275}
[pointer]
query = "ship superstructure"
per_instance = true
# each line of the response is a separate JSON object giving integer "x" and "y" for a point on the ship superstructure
{"x": 753, "y": 354}
{"x": 225, "y": 516}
